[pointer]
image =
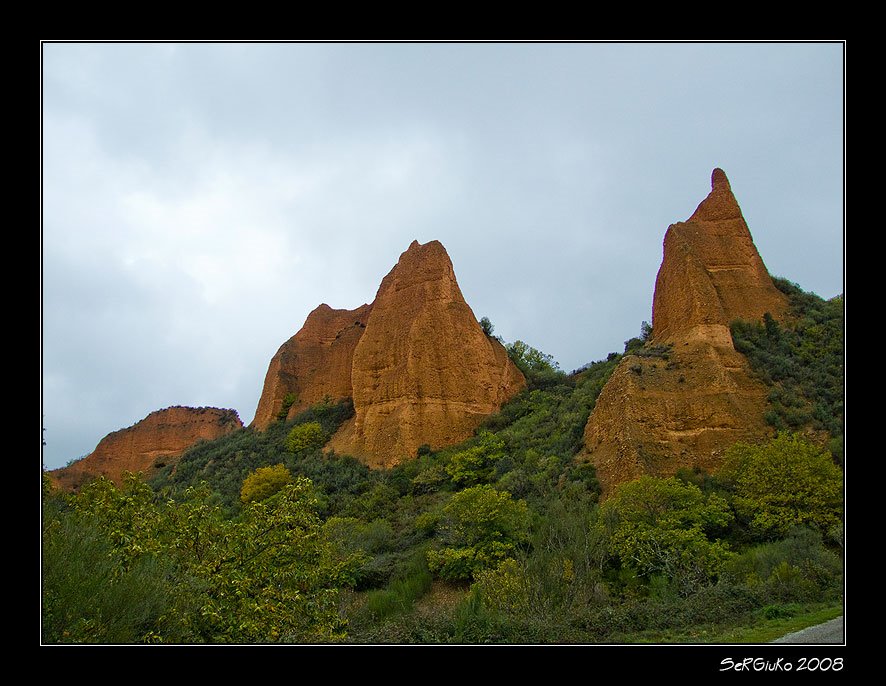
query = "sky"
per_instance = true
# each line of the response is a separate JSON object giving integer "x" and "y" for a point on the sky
{"x": 200, "y": 199}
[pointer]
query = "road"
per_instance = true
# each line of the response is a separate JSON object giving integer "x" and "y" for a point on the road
{"x": 829, "y": 632}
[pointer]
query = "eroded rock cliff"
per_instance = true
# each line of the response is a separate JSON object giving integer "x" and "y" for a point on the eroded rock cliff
{"x": 313, "y": 364}
{"x": 689, "y": 395}
{"x": 423, "y": 371}
{"x": 415, "y": 361}
{"x": 157, "y": 440}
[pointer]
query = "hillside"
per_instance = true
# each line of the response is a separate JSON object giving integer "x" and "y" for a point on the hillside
{"x": 469, "y": 491}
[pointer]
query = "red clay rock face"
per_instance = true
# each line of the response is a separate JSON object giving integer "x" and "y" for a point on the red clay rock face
{"x": 416, "y": 363}
{"x": 313, "y": 364}
{"x": 711, "y": 274}
{"x": 686, "y": 406}
{"x": 157, "y": 440}
{"x": 423, "y": 372}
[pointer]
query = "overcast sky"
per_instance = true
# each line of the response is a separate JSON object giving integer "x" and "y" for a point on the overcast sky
{"x": 199, "y": 200}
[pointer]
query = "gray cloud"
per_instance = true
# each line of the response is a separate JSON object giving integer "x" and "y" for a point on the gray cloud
{"x": 200, "y": 199}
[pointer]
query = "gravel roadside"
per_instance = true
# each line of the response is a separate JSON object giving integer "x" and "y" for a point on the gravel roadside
{"x": 829, "y": 632}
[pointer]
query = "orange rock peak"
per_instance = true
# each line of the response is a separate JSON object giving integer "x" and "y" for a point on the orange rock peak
{"x": 658, "y": 414}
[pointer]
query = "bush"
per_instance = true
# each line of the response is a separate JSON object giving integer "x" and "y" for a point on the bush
{"x": 88, "y": 596}
{"x": 305, "y": 437}
{"x": 785, "y": 483}
{"x": 797, "y": 568}
{"x": 480, "y": 527}
{"x": 264, "y": 482}
{"x": 661, "y": 527}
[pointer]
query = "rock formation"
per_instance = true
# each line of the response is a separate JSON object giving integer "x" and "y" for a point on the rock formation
{"x": 157, "y": 440}
{"x": 313, "y": 364}
{"x": 688, "y": 395}
{"x": 416, "y": 363}
{"x": 424, "y": 372}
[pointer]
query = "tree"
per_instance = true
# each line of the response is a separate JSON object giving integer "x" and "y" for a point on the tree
{"x": 531, "y": 359}
{"x": 477, "y": 464}
{"x": 305, "y": 437}
{"x": 270, "y": 575}
{"x": 784, "y": 483}
{"x": 645, "y": 331}
{"x": 288, "y": 401}
{"x": 479, "y": 527}
{"x": 487, "y": 326}
{"x": 264, "y": 482}
{"x": 661, "y": 526}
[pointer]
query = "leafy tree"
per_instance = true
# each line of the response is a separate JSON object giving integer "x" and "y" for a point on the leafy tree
{"x": 785, "y": 483}
{"x": 89, "y": 596}
{"x": 487, "y": 326}
{"x": 529, "y": 359}
{"x": 661, "y": 526}
{"x": 270, "y": 575}
{"x": 479, "y": 527}
{"x": 288, "y": 401}
{"x": 476, "y": 464}
{"x": 305, "y": 437}
{"x": 264, "y": 482}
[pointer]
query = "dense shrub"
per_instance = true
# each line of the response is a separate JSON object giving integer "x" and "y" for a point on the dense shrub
{"x": 784, "y": 483}
{"x": 305, "y": 437}
{"x": 803, "y": 358}
{"x": 480, "y": 527}
{"x": 264, "y": 482}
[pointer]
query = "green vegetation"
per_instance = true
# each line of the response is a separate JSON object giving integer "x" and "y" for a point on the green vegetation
{"x": 540, "y": 369}
{"x": 288, "y": 401}
{"x": 224, "y": 463}
{"x": 666, "y": 530}
{"x": 305, "y": 437}
{"x": 264, "y": 482}
{"x": 802, "y": 360}
{"x": 142, "y": 569}
{"x": 786, "y": 483}
{"x": 264, "y": 537}
{"x": 478, "y": 528}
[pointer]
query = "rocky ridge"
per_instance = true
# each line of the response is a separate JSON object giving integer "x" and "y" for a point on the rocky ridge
{"x": 312, "y": 365}
{"x": 423, "y": 372}
{"x": 415, "y": 361}
{"x": 156, "y": 441}
{"x": 689, "y": 395}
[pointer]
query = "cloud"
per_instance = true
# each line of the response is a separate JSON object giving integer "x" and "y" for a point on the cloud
{"x": 200, "y": 199}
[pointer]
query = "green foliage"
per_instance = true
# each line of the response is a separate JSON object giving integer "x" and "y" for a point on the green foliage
{"x": 784, "y": 483}
{"x": 802, "y": 358}
{"x": 540, "y": 369}
{"x": 797, "y": 568}
{"x": 634, "y": 345}
{"x": 270, "y": 575}
{"x": 542, "y": 430}
{"x": 504, "y": 588}
{"x": 487, "y": 326}
{"x": 480, "y": 526}
{"x": 89, "y": 595}
{"x": 225, "y": 462}
{"x": 662, "y": 527}
{"x": 414, "y": 582}
{"x": 288, "y": 401}
{"x": 559, "y": 570}
{"x": 305, "y": 437}
{"x": 264, "y": 482}
{"x": 476, "y": 464}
